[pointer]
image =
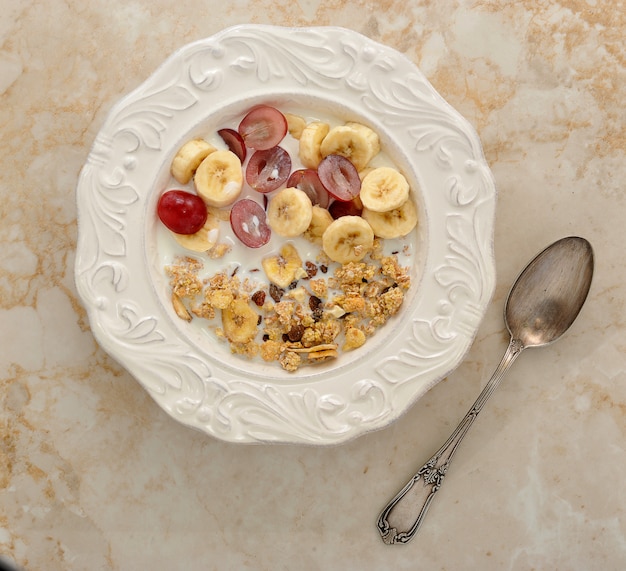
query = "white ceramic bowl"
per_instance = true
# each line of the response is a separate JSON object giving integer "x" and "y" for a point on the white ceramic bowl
{"x": 331, "y": 71}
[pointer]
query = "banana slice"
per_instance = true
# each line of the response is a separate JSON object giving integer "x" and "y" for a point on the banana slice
{"x": 310, "y": 140}
{"x": 285, "y": 267}
{"x": 393, "y": 223}
{"x": 239, "y": 321}
{"x": 384, "y": 189}
{"x": 204, "y": 239}
{"x": 358, "y": 143}
{"x": 188, "y": 158}
{"x": 295, "y": 124}
{"x": 348, "y": 239}
{"x": 289, "y": 213}
{"x": 320, "y": 220}
{"x": 219, "y": 178}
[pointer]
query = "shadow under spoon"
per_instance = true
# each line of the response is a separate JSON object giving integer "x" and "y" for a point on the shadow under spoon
{"x": 543, "y": 302}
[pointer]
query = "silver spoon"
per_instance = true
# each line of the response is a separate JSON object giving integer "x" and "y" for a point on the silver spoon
{"x": 542, "y": 304}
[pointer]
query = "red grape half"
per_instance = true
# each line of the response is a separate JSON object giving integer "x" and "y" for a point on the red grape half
{"x": 340, "y": 177}
{"x": 268, "y": 169}
{"x": 234, "y": 141}
{"x": 181, "y": 211}
{"x": 309, "y": 182}
{"x": 248, "y": 221}
{"x": 263, "y": 127}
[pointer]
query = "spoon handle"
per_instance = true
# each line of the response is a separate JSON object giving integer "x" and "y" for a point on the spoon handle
{"x": 433, "y": 472}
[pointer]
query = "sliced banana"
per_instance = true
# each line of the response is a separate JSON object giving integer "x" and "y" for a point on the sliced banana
{"x": 320, "y": 220}
{"x": 219, "y": 178}
{"x": 348, "y": 239}
{"x": 295, "y": 124}
{"x": 358, "y": 143}
{"x": 393, "y": 223}
{"x": 188, "y": 158}
{"x": 204, "y": 239}
{"x": 285, "y": 267}
{"x": 384, "y": 189}
{"x": 240, "y": 321}
{"x": 289, "y": 212}
{"x": 310, "y": 140}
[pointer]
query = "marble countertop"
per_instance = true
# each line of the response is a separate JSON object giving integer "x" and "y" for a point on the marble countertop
{"x": 94, "y": 475}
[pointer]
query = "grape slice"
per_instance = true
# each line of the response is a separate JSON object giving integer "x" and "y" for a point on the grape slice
{"x": 340, "y": 177}
{"x": 234, "y": 141}
{"x": 263, "y": 127}
{"x": 248, "y": 221}
{"x": 181, "y": 211}
{"x": 339, "y": 208}
{"x": 268, "y": 169}
{"x": 309, "y": 182}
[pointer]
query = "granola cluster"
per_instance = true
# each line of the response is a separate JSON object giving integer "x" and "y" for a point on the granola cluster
{"x": 310, "y": 321}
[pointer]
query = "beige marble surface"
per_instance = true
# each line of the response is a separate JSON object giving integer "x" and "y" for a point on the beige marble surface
{"x": 93, "y": 475}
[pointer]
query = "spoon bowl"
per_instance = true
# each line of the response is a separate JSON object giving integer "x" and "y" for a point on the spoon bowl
{"x": 543, "y": 303}
{"x": 548, "y": 295}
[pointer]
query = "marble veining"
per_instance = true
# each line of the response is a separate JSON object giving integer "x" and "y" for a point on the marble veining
{"x": 94, "y": 475}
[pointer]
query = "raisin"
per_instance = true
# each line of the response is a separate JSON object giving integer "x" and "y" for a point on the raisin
{"x": 258, "y": 297}
{"x": 293, "y": 284}
{"x": 314, "y": 302}
{"x": 266, "y": 337}
{"x": 311, "y": 269}
{"x": 295, "y": 333}
{"x": 258, "y": 321}
{"x": 324, "y": 268}
{"x": 276, "y": 293}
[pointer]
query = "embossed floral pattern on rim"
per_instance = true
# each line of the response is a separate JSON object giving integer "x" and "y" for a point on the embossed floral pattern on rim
{"x": 342, "y": 71}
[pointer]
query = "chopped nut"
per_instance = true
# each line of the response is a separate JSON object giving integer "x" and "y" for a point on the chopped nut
{"x": 179, "y": 308}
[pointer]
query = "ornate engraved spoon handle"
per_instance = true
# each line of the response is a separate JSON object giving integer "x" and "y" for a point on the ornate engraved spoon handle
{"x": 433, "y": 472}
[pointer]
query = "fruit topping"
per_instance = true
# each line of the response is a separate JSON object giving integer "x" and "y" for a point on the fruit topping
{"x": 188, "y": 158}
{"x": 289, "y": 212}
{"x": 309, "y": 181}
{"x": 393, "y": 223}
{"x": 338, "y": 209}
{"x": 235, "y": 142}
{"x": 263, "y": 127}
{"x": 353, "y": 141}
{"x": 310, "y": 141}
{"x": 348, "y": 239}
{"x": 339, "y": 177}
{"x": 268, "y": 169}
{"x": 181, "y": 211}
{"x": 248, "y": 221}
{"x": 219, "y": 179}
{"x": 384, "y": 189}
